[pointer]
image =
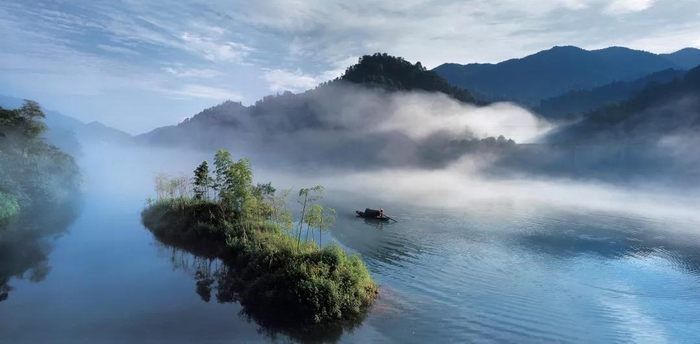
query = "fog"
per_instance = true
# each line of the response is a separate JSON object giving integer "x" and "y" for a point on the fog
{"x": 350, "y": 126}
{"x": 461, "y": 185}
{"x": 372, "y": 145}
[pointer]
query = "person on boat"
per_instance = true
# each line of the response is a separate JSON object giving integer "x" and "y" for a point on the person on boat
{"x": 381, "y": 213}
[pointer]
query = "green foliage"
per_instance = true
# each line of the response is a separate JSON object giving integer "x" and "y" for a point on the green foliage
{"x": 275, "y": 277}
{"x": 202, "y": 181}
{"x": 304, "y": 201}
{"x": 276, "y": 274}
{"x": 9, "y": 207}
{"x": 395, "y": 74}
{"x": 40, "y": 194}
{"x": 35, "y": 177}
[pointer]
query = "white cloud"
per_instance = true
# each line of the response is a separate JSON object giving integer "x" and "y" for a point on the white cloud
{"x": 119, "y": 50}
{"x": 192, "y": 72}
{"x": 296, "y": 80}
{"x": 296, "y": 44}
{"x": 618, "y": 7}
{"x": 214, "y": 50}
{"x": 282, "y": 80}
{"x": 204, "y": 92}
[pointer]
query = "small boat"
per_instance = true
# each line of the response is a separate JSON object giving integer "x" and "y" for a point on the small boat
{"x": 372, "y": 214}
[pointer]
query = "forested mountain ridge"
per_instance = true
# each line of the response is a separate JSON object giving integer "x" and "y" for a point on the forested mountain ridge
{"x": 352, "y": 115}
{"x": 572, "y": 104}
{"x": 561, "y": 69}
{"x": 395, "y": 73}
{"x": 650, "y": 136}
{"x": 289, "y": 112}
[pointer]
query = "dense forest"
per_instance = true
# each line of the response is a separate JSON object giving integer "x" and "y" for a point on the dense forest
{"x": 561, "y": 69}
{"x": 572, "y": 105}
{"x": 40, "y": 193}
{"x": 652, "y": 135}
{"x": 397, "y": 74}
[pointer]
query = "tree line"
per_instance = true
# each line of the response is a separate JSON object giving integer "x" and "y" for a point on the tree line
{"x": 251, "y": 206}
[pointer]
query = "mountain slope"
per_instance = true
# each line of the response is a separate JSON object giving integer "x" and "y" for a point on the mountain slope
{"x": 66, "y": 132}
{"x": 687, "y": 58}
{"x": 359, "y": 118}
{"x": 574, "y": 103}
{"x": 558, "y": 70}
{"x": 652, "y": 136}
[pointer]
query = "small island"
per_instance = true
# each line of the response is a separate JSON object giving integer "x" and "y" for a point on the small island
{"x": 279, "y": 276}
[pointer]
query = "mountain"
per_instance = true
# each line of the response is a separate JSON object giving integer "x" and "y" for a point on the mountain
{"x": 572, "y": 104}
{"x": 397, "y": 74}
{"x": 360, "y": 118}
{"x": 687, "y": 58}
{"x": 651, "y": 136}
{"x": 67, "y": 132}
{"x": 561, "y": 69}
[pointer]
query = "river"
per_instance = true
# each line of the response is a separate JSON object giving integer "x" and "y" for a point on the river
{"x": 491, "y": 273}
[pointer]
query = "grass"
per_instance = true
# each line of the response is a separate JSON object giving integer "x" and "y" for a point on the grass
{"x": 278, "y": 279}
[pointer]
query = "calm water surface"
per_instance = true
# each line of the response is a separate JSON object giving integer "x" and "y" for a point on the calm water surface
{"x": 495, "y": 273}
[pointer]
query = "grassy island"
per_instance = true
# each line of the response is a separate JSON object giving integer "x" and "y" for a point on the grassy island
{"x": 279, "y": 275}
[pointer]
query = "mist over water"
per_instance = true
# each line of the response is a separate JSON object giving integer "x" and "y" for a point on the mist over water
{"x": 473, "y": 256}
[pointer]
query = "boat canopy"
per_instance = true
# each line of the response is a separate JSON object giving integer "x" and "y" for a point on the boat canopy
{"x": 371, "y": 212}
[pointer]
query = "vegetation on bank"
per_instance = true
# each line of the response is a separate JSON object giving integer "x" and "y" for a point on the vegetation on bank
{"x": 280, "y": 274}
{"x": 40, "y": 194}
{"x": 35, "y": 177}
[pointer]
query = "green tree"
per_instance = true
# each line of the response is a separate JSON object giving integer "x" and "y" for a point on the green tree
{"x": 202, "y": 181}
{"x": 241, "y": 182}
{"x": 320, "y": 218}
{"x": 328, "y": 216}
{"x": 223, "y": 165}
{"x": 304, "y": 202}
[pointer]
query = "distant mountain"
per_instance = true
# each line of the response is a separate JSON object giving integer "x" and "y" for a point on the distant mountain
{"x": 67, "y": 132}
{"x": 339, "y": 121}
{"x": 687, "y": 58}
{"x": 397, "y": 74}
{"x": 559, "y": 70}
{"x": 650, "y": 136}
{"x": 572, "y": 104}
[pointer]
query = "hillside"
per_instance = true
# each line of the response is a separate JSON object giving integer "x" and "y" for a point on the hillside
{"x": 348, "y": 120}
{"x": 687, "y": 58}
{"x": 574, "y": 103}
{"x": 559, "y": 70}
{"x": 652, "y": 135}
{"x": 67, "y": 133}
{"x": 397, "y": 74}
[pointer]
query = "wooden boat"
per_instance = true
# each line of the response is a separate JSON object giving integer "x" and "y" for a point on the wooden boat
{"x": 372, "y": 214}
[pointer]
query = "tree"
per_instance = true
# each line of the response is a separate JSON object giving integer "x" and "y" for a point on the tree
{"x": 306, "y": 200}
{"x": 202, "y": 181}
{"x": 241, "y": 182}
{"x": 223, "y": 164}
{"x": 32, "y": 114}
{"x": 319, "y": 217}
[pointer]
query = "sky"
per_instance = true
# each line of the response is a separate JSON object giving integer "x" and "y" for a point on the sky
{"x": 137, "y": 65}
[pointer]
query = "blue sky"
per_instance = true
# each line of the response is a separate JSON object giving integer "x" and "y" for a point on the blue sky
{"x": 137, "y": 65}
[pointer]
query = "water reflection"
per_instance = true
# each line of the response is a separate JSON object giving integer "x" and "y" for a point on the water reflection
{"x": 214, "y": 277}
{"x": 389, "y": 243}
{"x": 612, "y": 238}
{"x": 25, "y": 245}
